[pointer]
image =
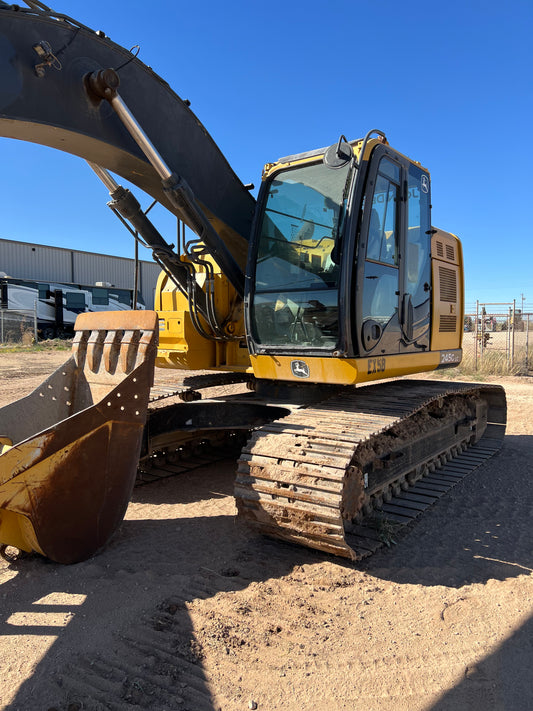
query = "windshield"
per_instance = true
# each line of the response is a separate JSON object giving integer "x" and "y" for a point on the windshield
{"x": 301, "y": 221}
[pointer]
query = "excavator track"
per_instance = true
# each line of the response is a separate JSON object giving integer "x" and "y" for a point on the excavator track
{"x": 189, "y": 388}
{"x": 344, "y": 476}
{"x": 171, "y": 445}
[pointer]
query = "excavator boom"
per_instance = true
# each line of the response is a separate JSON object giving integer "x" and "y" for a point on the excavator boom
{"x": 45, "y": 97}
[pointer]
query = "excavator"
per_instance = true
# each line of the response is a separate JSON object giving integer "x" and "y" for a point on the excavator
{"x": 318, "y": 296}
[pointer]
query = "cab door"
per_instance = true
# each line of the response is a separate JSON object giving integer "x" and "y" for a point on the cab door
{"x": 393, "y": 294}
{"x": 379, "y": 279}
{"x": 415, "y": 307}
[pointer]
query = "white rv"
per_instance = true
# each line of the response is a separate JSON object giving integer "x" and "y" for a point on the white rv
{"x": 58, "y": 304}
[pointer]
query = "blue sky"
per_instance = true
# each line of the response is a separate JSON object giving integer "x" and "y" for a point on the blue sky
{"x": 449, "y": 83}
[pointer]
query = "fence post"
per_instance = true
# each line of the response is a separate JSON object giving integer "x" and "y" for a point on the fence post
{"x": 35, "y": 320}
{"x": 2, "y": 325}
{"x": 475, "y": 331}
{"x": 527, "y": 343}
{"x": 508, "y": 339}
{"x": 482, "y": 334}
{"x": 512, "y": 342}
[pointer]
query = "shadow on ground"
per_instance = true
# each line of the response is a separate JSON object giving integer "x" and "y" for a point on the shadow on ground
{"x": 478, "y": 532}
{"x": 502, "y": 680}
{"x": 130, "y": 604}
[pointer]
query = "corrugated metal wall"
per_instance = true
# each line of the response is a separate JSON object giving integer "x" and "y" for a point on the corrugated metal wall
{"x": 24, "y": 260}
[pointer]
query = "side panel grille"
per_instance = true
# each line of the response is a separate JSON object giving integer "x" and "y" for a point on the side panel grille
{"x": 448, "y": 284}
{"x": 447, "y": 324}
{"x": 447, "y": 301}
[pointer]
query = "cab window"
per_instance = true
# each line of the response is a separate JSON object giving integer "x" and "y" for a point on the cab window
{"x": 418, "y": 237}
{"x": 383, "y": 232}
{"x": 296, "y": 278}
{"x": 381, "y": 273}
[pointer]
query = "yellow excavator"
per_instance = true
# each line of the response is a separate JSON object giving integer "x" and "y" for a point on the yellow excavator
{"x": 333, "y": 277}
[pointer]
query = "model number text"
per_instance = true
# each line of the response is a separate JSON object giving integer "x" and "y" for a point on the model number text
{"x": 376, "y": 365}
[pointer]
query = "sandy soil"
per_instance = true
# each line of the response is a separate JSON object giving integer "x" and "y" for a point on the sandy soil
{"x": 185, "y": 609}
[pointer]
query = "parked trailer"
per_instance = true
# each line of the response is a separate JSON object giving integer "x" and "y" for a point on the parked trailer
{"x": 56, "y": 305}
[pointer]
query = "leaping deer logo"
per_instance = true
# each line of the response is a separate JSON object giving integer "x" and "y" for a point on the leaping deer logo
{"x": 299, "y": 368}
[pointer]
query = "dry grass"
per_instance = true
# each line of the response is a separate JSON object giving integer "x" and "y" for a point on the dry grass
{"x": 495, "y": 357}
{"x": 491, "y": 362}
{"x": 29, "y": 345}
{"x": 496, "y": 362}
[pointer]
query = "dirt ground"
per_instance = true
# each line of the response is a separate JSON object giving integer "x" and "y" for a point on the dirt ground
{"x": 186, "y": 609}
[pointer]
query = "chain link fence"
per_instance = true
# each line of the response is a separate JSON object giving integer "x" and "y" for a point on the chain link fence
{"x": 498, "y": 339}
{"x": 18, "y": 326}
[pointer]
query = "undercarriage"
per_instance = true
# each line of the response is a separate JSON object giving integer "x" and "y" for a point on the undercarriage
{"x": 339, "y": 470}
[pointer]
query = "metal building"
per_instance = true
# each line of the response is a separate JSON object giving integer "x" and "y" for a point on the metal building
{"x": 24, "y": 260}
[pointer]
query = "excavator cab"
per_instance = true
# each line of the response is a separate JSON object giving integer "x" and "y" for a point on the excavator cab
{"x": 340, "y": 263}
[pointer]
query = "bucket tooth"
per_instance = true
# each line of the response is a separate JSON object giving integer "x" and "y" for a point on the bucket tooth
{"x": 69, "y": 450}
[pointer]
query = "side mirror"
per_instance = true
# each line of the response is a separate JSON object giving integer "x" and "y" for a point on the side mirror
{"x": 338, "y": 154}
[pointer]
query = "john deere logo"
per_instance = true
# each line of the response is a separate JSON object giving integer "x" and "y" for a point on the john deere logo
{"x": 299, "y": 369}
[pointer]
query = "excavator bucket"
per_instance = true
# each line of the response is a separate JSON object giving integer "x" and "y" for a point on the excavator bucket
{"x": 69, "y": 450}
